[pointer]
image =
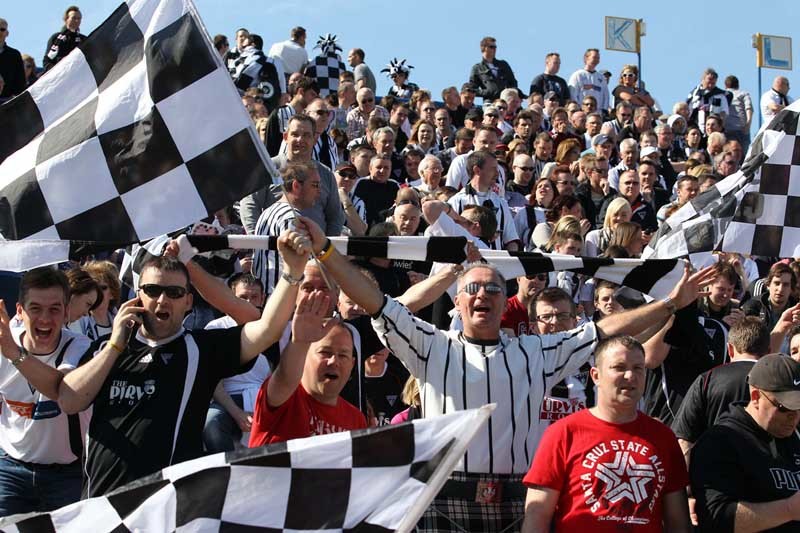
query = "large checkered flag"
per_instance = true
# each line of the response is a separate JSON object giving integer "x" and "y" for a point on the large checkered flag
{"x": 372, "y": 480}
{"x": 136, "y": 133}
{"x": 755, "y": 211}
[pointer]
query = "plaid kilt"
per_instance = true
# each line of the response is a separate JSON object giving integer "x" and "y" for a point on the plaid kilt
{"x": 456, "y": 515}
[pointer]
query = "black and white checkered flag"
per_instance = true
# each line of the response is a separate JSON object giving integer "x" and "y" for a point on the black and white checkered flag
{"x": 374, "y": 480}
{"x": 755, "y": 211}
{"x": 138, "y": 132}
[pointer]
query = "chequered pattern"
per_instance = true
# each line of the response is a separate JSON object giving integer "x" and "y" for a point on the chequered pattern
{"x": 361, "y": 481}
{"x": 325, "y": 68}
{"x": 755, "y": 211}
{"x": 117, "y": 143}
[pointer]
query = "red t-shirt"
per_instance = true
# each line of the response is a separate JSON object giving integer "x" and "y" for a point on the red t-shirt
{"x": 515, "y": 317}
{"x": 609, "y": 476}
{"x": 300, "y": 416}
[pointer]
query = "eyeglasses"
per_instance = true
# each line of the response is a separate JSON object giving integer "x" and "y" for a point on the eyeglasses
{"x": 321, "y": 112}
{"x": 492, "y": 115}
{"x": 565, "y": 182}
{"x": 781, "y": 408}
{"x": 491, "y": 46}
{"x": 558, "y": 317}
{"x": 540, "y": 277}
{"x": 629, "y": 75}
{"x": 489, "y": 287}
{"x": 347, "y": 175}
{"x": 173, "y": 292}
{"x": 3, "y": 29}
{"x": 526, "y": 169}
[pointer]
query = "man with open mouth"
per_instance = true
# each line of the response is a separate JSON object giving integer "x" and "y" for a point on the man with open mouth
{"x": 40, "y": 469}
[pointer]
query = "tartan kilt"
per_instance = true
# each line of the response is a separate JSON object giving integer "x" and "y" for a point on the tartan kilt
{"x": 456, "y": 515}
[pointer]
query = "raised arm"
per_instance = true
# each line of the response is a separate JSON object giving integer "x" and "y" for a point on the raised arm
{"x": 427, "y": 291}
{"x": 257, "y": 336}
{"x": 637, "y": 320}
{"x": 211, "y": 288}
{"x": 79, "y": 388}
{"x": 352, "y": 282}
{"x": 789, "y": 318}
{"x": 307, "y": 327}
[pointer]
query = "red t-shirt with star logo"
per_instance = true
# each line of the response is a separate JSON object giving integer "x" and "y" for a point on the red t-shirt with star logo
{"x": 610, "y": 477}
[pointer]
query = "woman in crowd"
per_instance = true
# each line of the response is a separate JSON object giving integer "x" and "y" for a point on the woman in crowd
{"x": 693, "y": 141}
{"x": 423, "y": 138}
{"x": 84, "y": 296}
{"x": 627, "y": 91}
{"x": 562, "y": 206}
{"x": 628, "y": 235}
{"x": 619, "y": 210}
{"x": 100, "y": 319}
{"x": 564, "y": 226}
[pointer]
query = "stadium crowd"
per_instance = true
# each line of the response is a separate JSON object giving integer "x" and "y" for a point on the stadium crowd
{"x": 612, "y": 413}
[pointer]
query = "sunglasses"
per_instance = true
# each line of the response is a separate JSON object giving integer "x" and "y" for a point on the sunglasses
{"x": 526, "y": 169}
{"x": 173, "y": 292}
{"x": 540, "y": 277}
{"x": 781, "y": 408}
{"x": 629, "y": 75}
{"x": 347, "y": 175}
{"x": 490, "y": 287}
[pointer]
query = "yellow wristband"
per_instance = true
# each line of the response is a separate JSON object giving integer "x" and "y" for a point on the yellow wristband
{"x": 117, "y": 348}
{"x": 326, "y": 251}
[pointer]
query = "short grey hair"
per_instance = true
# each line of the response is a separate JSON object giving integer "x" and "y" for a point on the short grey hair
{"x": 427, "y": 160}
{"x": 508, "y": 91}
{"x": 382, "y": 131}
{"x": 626, "y": 144}
{"x": 662, "y": 127}
{"x": 487, "y": 266}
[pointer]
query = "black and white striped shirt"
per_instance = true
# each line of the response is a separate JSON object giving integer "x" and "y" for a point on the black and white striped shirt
{"x": 455, "y": 373}
{"x": 276, "y": 219}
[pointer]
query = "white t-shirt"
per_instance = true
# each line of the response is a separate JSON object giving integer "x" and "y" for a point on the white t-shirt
{"x": 253, "y": 378}
{"x": 33, "y": 428}
{"x": 293, "y": 56}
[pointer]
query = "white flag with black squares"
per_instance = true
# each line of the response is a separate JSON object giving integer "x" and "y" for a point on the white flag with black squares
{"x": 374, "y": 480}
{"x": 755, "y": 211}
{"x": 136, "y": 133}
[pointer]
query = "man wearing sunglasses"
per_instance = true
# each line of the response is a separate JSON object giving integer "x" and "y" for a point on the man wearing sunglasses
{"x": 744, "y": 470}
{"x": 151, "y": 382}
{"x": 466, "y": 369}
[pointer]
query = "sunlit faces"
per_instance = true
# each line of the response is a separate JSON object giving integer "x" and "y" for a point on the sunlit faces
{"x": 777, "y": 423}
{"x": 379, "y": 169}
{"x": 384, "y": 143}
{"x": 73, "y": 20}
{"x": 721, "y": 291}
{"x": 299, "y": 137}
{"x": 80, "y": 304}
{"x": 481, "y": 312}
{"x": 553, "y": 317}
{"x": 310, "y": 190}
{"x": 366, "y": 100}
{"x": 163, "y": 315}
{"x": 329, "y": 364}
{"x": 406, "y": 217}
{"x": 606, "y": 302}
{"x": 629, "y": 185}
{"x": 620, "y": 376}
{"x": 43, "y": 313}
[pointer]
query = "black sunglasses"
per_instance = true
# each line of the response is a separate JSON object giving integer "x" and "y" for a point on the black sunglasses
{"x": 781, "y": 408}
{"x": 173, "y": 292}
{"x": 540, "y": 277}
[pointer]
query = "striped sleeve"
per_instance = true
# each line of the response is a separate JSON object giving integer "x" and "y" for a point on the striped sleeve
{"x": 564, "y": 353}
{"x": 408, "y": 337}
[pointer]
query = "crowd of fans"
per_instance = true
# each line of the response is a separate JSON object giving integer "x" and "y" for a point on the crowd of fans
{"x": 217, "y": 351}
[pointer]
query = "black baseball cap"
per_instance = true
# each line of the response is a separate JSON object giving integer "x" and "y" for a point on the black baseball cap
{"x": 468, "y": 88}
{"x": 346, "y": 166}
{"x": 780, "y": 375}
{"x": 474, "y": 114}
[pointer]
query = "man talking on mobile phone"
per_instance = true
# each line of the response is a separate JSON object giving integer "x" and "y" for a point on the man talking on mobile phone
{"x": 151, "y": 383}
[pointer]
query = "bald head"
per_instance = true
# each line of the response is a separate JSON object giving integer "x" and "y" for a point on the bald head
{"x": 781, "y": 84}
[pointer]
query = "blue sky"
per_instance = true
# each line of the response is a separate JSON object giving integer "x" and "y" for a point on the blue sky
{"x": 441, "y": 38}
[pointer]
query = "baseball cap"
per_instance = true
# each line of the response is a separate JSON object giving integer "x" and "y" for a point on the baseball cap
{"x": 550, "y": 95}
{"x": 780, "y": 375}
{"x": 467, "y": 88}
{"x": 346, "y": 166}
{"x": 600, "y": 138}
{"x": 648, "y": 150}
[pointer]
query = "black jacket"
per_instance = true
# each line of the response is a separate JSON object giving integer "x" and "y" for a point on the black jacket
{"x": 59, "y": 45}
{"x": 736, "y": 460}
{"x": 583, "y": 192}
{"x": 761, "y": 308}
{"x": 489, "y": 86}
{"x": 643, "y": 213}
{"x": 13, "y": 72}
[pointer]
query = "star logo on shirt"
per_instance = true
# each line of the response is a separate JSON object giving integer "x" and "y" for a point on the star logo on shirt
{"x": 625, "y": 478}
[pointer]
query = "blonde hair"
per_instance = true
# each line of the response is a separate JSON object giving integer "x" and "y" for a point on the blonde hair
{"x": 410, "y": 394}
{"x": 565, "y": 225}
{"x": 615, "y": 206}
